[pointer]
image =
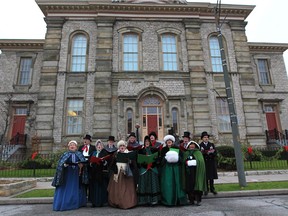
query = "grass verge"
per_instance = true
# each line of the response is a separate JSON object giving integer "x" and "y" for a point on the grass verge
{"x": 252, "y": 186}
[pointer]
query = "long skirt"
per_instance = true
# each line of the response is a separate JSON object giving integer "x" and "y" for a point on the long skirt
{"x": 70, "y": 195}
{"x": 122, "y": 194}
{"x": 148, "y": 187}
{"x": 98, "y": 192}
{"x": 171, "y": 188}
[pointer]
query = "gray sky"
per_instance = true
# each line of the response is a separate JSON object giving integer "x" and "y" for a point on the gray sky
{"x": 22, "y": 19}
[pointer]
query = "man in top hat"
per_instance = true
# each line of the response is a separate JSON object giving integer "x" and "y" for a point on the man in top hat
{"x": 186, "y": 139}
{"x": 110, "y": 147}
{"x": 209, "y": 153}
{"x": 132, "y": 143}
{"x": 87, "y": 148}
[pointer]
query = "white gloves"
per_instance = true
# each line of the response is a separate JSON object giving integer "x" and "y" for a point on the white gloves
{"x": 172, "y": 157}
{"x": 192, "y": 163}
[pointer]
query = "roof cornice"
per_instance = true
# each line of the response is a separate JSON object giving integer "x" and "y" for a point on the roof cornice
{"x": 267, "y": 47}
{"x": 93, "y": 8}
{"x": 35, "y": 44}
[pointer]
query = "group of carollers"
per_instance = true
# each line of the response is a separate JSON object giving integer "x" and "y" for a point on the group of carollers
{"x": 129, "y": 174}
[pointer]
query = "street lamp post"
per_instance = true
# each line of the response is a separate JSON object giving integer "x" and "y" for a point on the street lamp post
{"x": 137, "y": 126}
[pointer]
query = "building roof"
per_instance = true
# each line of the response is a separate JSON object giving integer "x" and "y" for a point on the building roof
{"x": 267, "y": 47}
{"x": 132, "y": 9}
{"x": 22, "y": 44}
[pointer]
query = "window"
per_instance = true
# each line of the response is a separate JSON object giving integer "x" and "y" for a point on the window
{"x": 74, "y": 116}
{"x": 21, "y": 111}
{"x": 78, "y": 53}
{"x": 25, "y": 71}
{"x": 215, "y": 53}
{"x": 175, "y": 120}
{"x": 169, "y": 51}
{"x": 129, "y": 121}
{"x": 223, "y": 116}
{"x": 263, "y": 71}
{"x": 130, "y": 52}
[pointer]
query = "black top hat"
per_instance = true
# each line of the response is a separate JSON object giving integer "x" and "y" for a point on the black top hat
{"x": 186, "y": 134}
{"x": 153, "y": 134}
{"x": 204, "y": 133}
{"x": 132, "y": 134}
{"x": 111, "y": 138}
{"x": 87, "y": 136}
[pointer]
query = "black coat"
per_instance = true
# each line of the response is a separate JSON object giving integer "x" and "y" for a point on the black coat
{"x": 210, "y": 160}
{"x": 92, "y": 148}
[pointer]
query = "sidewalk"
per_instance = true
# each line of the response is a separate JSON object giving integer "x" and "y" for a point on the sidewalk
{"x": 223, "y": 178}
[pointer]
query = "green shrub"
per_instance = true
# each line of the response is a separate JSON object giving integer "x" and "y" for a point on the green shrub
{"x": 226, "y": 151}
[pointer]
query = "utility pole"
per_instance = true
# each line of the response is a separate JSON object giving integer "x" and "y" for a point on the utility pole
{"x": 233, "y": 116}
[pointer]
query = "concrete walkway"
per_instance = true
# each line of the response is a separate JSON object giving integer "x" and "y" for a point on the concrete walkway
{"x": 223, "y": 178}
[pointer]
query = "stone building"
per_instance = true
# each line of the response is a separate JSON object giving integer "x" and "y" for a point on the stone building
{"x": 106, "y": 66}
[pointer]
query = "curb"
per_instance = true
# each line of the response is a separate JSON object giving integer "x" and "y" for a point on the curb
{"x": 230, "y": 194}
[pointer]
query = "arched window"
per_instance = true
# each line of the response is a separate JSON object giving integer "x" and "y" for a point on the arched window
{"x": 169, "y": 52}
{"x": 130, "y": 52}
{"x": 215, "y": 54}
{"x": 175, "y": 124}
{"x": 78, "y": 53}
{"x": 129, "y": 117}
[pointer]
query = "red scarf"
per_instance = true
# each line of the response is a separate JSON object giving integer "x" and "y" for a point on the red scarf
{"x": 85, "y": 148}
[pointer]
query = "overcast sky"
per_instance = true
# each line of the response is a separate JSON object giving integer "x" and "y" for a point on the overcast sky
{"x": 23, "y": 19}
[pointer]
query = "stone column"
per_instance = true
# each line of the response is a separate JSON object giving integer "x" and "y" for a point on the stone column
{"x": 197, "y": 102}
{"x": 255, "y": 134}
{"x": 103, "y": 120}
{"x": 48, "y": 79}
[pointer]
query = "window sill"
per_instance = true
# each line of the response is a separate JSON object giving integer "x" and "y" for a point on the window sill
{"x": 22, "y": 88}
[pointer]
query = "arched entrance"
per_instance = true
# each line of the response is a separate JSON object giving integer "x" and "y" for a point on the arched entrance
{"x": 152, "y": 116}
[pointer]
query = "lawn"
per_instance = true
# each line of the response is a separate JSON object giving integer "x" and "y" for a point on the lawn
{"x": 219, "y": 188}
{"x": 252, "y": 186}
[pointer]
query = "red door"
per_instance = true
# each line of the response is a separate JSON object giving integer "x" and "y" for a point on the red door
{"x": 152, "y": 124}
{"x": 271, "y": 121}
{"x": 18, "y": 125}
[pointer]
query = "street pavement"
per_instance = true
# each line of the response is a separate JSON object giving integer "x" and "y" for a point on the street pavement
{"x": 223, "y": 178}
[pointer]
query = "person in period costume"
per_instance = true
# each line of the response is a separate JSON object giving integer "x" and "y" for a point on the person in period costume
{"x": 195, "y": 176}
{"x": 185, "y": 140}
{"x": 110, "y": 147}
{"x": 154, "y": 143}
{"x": 121, "y": 188}
{"x": 171, "y": 187}
{"x": 86, "y": 149}
{"x": 148, "y": 184}
{"x": 69, "y": 180}
{"x": 132, "y": 143}
{"x": 209, "y": 153}
{"x": 98, "y": 181}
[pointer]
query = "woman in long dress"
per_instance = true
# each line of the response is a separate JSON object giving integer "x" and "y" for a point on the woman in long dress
{"x": 70, "y": 180}
{"x": 148, "y": 184}
{"x": 98, "y": 181}
{"x": 171, "y": 187}
{"x": 121, "y": 188}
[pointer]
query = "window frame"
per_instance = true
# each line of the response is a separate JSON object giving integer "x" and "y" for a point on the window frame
{"x": 81, "y": 117}
{"x": 220, "y": 104}
{"x": 132, "y": 31}
{"x": 267, "y": 72}
{"x": 177, "y": 34}
{"x": 129, "y": 110}
{"x": 71, "y": 49}
{"x": 214, "y": 36}
{"x": 175, "y": 109}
